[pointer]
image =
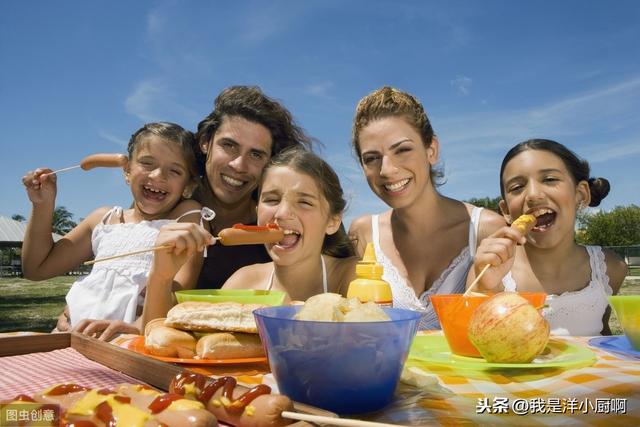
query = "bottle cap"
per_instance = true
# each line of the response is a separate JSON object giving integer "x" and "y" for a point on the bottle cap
{"x": 369, "y": 265}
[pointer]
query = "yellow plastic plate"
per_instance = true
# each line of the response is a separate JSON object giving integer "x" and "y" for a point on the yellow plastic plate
{"x": 434, "y": 349}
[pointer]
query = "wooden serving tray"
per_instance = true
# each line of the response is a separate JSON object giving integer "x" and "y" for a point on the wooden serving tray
{"x": 146, "y": 369}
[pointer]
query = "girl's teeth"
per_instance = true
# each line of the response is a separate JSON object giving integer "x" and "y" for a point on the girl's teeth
{"x": 231, "y": 181}
{"x": 397, "y": 185}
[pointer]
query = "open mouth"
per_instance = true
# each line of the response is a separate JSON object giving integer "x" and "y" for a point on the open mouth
{"x": 233, "y": 182}
{"x": 153, "y": 193}
{"x": 545, "y": 218}
{"x": 397, "y": 186}
{"x": 290, "y": 239}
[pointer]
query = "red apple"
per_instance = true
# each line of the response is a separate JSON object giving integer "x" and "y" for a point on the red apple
{"x": 506, "y": 328}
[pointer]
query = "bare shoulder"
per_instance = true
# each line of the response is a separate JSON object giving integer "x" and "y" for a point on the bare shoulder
{"x": 96, "y": 216}
{"x": 189, "y": 207}
{"x": 360, "y": 232}
{"x": 249, "y": 277}
{"x": 490, "y": 221}
{"x": 617, "y": 269}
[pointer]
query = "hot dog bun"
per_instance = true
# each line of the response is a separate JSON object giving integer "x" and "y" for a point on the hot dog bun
{"x": 213, "y": 317}
{"x": 164, "y": 341}
{"x": 226, "y": 345}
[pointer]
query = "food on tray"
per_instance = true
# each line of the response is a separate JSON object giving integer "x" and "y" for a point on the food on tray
{"x": 506, "y": 328}
{"x": 227, "y": 345}
{"x": 329, "y": 307}
{"x": 524, "y": 223}
{"x": 241, "y": 234}
{"x": 193, "y": 400}
{"x": 165, "y": 341}
{"x": 128, "y": 404}
{"x": 206, "y": 330}
{"x": 103, "y": 161}
{"x": 213, "y": 317}
{"x": 233, "y": 404}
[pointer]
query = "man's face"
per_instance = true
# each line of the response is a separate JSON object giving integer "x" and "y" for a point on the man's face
{"x": 236, "y": 157}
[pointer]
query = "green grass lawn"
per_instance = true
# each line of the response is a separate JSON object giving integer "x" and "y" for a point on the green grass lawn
{"x": 32, "y": 306}
{"x": 35, "y": 306}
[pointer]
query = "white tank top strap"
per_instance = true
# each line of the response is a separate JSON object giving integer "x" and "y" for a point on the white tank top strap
{"x": 325, "y": 286}
{"x": 599, "y": 268}
{"x": 116, "y": 210}
{"x": 474, "y": 224}
{"x": 193, "y": 211}
{"x": 375, "y": 233}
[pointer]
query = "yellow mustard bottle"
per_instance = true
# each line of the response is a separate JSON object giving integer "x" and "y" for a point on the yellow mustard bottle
{"x": 368, "y": 285}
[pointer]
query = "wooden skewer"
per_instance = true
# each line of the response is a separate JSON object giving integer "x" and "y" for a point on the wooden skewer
{"x": 64, "y": 169}
{"x": 139, "y": 251}
{"x": 333, "y": 421}
{"x": 475, "y": 282}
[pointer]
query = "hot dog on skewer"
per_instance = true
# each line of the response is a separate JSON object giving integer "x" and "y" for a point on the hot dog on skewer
{"x": 103, "y": 160}
{"x": 234, "y": 404}
{"x": 524, "y": 223}
{"x": 241, "y": 234}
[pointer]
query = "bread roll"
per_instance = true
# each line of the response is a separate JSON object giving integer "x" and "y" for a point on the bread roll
{"x": 213, "y": 317}
{"x": 226, "y": 345}
{"x": 162, "y": 340}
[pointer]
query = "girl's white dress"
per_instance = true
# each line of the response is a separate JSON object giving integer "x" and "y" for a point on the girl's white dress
{"x": 451, "y": 281}
{"x": 114, "y": 289}
{"x": 578, "y": 313}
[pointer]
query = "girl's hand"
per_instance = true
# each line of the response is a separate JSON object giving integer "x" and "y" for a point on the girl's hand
{"x": 41, "y": 186}
{"x": 105, "y": 330}
{"x": 186, "y": 239}
{"x": 497, "y": 250}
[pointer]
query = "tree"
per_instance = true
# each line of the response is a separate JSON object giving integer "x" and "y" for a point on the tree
{"x": 62, "y": 220}
{"x": 18, "y": 217}
{"x": 486, "y": 202}
{"x": 620, "y": 227}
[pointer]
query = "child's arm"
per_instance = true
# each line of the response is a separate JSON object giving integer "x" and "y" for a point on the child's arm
{"x": 170, "y": 268}
{"x": 41, "y": 257}
{"x": 497, "y": 250}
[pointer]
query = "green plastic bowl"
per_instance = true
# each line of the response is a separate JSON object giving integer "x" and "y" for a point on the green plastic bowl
{"x": 243, "y": 296}
{"x": 627, "y": 309}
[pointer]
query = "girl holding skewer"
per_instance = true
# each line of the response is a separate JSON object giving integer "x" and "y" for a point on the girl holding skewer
{"x": 301, "y": 193}
{"x": 162, "y": 174}
{"x": 545, "y": 179}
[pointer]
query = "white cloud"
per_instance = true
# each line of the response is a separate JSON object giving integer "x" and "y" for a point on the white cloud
{"x": 142, "y": 101}
{"x": 112, "y": 138}
{"x": 320, "y": 90}
{"x": 152, "y": 101}
{"x": 462, "y": 84}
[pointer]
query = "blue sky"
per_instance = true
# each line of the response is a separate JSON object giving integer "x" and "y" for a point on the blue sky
{"x": 79, "y": 77}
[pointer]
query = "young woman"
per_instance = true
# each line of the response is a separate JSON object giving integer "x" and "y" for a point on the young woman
{"x": 426, "y": 241}
{"x": 545, "y": 179}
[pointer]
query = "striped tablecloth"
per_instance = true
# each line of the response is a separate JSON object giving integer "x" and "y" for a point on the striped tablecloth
{"x": 606, "y": 393}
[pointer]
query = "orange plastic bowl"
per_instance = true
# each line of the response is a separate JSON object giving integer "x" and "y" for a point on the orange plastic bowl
{"x": 454, "y": 312}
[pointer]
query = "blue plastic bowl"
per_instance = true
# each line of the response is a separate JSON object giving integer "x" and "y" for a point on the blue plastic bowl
{"x": 347, "y": 368}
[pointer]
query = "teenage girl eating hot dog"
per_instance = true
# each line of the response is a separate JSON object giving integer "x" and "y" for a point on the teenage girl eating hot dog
{"x": 302, "y": 195}
{"x": 543, "y": 178}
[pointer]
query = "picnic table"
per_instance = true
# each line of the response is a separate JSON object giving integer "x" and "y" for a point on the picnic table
{"x": 606, "y": 392}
